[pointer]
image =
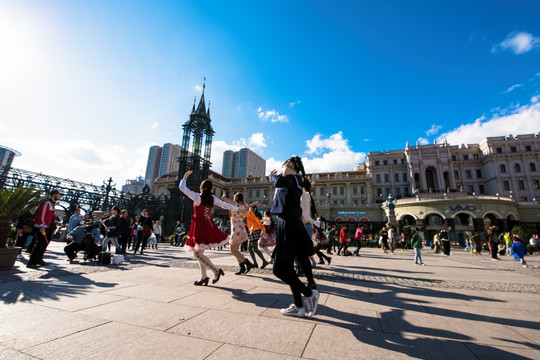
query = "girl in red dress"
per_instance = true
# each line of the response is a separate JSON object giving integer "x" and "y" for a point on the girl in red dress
{"x": 204, "y": 233}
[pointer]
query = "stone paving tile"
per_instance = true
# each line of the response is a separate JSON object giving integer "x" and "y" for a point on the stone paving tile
{"x": 276, "y": 335}
{"x": 153, "y": 292}
{"x": 144, "y": 313}
{"x": 483, "y": 352}
{"x": 243, "y": 353}
{"x": 11, "y": 354}
{"x": 71, "y": 303}
{"x": 45, "y": 324}
{"x": 252, "y": 303}
{"x": 358, "y": 344}
{"x": 114, "y": 340}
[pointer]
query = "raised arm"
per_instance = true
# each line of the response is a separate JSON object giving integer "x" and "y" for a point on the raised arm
{"x": 190, "y": 194}
{"x": 224, "y": 205}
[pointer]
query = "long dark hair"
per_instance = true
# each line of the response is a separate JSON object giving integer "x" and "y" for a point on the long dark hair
{"x": 307, "y": 186}
{"x": 298, "y": 166}
{"x": 256, "y": 212}
{"x": 268, "y": 215}
{"x": 206, "y": 193}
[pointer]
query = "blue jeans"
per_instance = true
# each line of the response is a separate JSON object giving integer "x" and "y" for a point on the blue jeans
{"x": 417, "y": 255}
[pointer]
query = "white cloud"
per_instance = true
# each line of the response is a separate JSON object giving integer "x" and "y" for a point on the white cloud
{"x": 257, "y": 141}
{"x": 335, "y": 143}
{"x": 271, "y": 115}
{"x": 294, "y": 103}
{"x": 80, "y": 159}
{"x": 518, "y": 43}
{"x": 423, "y": 141}
{"x": 513, "y": 87}
{"x": 155, "y": 124}
{"x": 522, "y": 120}
{"x": 434, "y": 129}
{"x": 198, "y": 89}
{"x": 331, "y": 154}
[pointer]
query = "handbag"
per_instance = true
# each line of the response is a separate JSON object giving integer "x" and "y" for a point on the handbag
{"x": 380, "y": 241}
{"x": 319, "y": 238}
{"x": 267, "y": 239}
{"x": 118, "y": 259}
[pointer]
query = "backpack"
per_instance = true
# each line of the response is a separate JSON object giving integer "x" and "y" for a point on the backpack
{"x": 104, "y": 258}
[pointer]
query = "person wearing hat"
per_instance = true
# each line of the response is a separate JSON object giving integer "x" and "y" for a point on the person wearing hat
{"x": 44, "y": 223}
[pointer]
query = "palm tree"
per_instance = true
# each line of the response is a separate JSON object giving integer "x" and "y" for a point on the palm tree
{"x": 14, "y": 202}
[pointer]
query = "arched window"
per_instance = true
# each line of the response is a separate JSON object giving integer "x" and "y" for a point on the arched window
{"x": 503, "y": 168}
{"x": 434, "y": 220}
{"x": 408, "y": 220}
{"x": 463, "y": 219}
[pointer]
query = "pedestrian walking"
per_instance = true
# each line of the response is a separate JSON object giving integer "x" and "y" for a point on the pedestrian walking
{"x": 416, "y": 244}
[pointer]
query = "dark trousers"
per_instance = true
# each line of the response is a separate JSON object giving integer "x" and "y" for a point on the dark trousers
{"x": 358, "y": 246}
{"x": 123, "y": 239}
{"x": 71, "y": 249}
{"x": 321, "y": 255}
{"x": 494, "y": 249}
{"x": 39, "y": 249}
{"x": 284, "y": 270}
{"x": 446, "y": 247}
{"x": 144, "y": 240}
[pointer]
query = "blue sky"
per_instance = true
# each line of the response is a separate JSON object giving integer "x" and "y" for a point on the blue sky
{"x": 87, "y": 86}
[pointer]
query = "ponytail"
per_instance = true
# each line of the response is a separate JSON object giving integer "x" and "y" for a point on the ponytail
{"x": 207, "y": 199}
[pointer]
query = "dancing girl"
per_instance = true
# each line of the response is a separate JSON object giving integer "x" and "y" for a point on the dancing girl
{"x": 203, "y": 232}
{"x": 238, "y": 232}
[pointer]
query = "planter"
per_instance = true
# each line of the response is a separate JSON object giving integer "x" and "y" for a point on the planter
{"x": 8, "y": 256}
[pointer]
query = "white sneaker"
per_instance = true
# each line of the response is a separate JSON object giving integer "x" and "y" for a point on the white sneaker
{"x": 311, "y": 303}
{"x": 293, "y": 310}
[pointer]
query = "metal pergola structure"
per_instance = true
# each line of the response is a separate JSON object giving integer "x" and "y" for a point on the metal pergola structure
{"x": 90, "y": 197}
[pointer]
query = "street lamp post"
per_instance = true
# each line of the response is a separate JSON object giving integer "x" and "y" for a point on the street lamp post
{"x": 107, "y": 187}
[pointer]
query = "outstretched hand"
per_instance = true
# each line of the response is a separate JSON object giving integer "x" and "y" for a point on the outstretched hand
{"x": 273, "y": 172}
{"x": 186, "y": 175}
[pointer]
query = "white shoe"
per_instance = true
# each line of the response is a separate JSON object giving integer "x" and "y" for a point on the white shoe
{"x": 311, "y": 303}
{"x": 293, "y": 310}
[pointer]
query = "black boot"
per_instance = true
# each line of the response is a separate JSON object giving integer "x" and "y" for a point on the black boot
{"x": 249, "y": 266}
{"x": 242, "y": 269}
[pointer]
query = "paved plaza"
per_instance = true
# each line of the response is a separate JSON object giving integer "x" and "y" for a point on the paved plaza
{"x": 375, "y": 306}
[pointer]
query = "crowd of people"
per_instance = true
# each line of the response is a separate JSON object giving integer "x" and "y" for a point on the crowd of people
{"x": 296, "y": 237}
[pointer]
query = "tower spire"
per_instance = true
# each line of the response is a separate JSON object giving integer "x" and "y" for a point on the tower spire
{"x": 201, "y": 108}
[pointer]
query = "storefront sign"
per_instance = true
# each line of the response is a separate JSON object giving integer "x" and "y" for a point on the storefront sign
{"x": 351, "y": 212}
{"x": 463, "y": 208}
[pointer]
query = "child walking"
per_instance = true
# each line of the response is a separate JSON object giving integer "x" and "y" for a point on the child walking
{"x": 292, "y": 238}
{"x": 255, "y": 230}
{"x": 203, "y": 232}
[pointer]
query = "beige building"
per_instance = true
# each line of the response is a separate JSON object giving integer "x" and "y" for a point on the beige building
{"x": 461, "y": 187}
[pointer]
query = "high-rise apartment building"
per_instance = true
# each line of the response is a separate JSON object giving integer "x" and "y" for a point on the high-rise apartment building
{"x": 161, "y": 160}
{"x": 242, "y": 164}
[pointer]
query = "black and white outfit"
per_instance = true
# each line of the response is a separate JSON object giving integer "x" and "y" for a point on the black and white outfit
{"x": 292, "y": 239}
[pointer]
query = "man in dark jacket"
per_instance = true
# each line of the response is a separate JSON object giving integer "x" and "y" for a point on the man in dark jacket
{"x": 493, "y": 239}
{"x": 445, "y": 242}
